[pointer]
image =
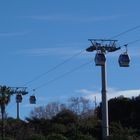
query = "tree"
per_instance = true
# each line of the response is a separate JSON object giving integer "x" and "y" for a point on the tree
{"x": 117, "y": 132}
{"x": 81, "y": 106}
{"x": 65, "y": 117}
{"x": 48, "y": 111}
{"x": 75, "y": 104}
{"x": 5, "y": 95}
{"x": 17, "y": 129}
{"x": 124, "y": 111}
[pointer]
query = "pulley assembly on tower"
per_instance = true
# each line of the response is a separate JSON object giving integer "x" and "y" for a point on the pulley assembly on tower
{"x": 102, "y": 46}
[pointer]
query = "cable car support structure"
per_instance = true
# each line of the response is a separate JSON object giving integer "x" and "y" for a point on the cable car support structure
{"x": 101, "y": 46}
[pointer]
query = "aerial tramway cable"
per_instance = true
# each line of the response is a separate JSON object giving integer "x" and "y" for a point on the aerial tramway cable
{"x": 54, "y": 68}
{"x": 63, "y": 75}
{"x": 124, "y": 32}
{"x": 73, "y": 56}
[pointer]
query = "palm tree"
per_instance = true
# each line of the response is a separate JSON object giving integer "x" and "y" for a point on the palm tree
{"x": 5, "y": 94}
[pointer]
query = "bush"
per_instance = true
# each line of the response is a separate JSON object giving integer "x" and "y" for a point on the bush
{"x": 82, "y": 137}
{"x": 56, "y": 137}
{"x": 118, "y": 132}
{"x": 122, "y": 138}
{"x": 6, "y": 138}
{"x": 36, "y": 137}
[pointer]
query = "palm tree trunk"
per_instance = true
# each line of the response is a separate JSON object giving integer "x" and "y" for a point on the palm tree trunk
{"x": 3, "y": 114}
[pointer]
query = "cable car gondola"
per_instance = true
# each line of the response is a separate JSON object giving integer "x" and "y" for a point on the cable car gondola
{"x": 124, "y": 60}
{"x": 32, "y": 99}
{"x": 18, "y": 98}
{"x": 100, "y": 59}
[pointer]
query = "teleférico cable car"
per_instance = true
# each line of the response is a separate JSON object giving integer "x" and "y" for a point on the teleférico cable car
{"x": 100, "y": 59}
{"x": 32, "y": 99}
{"x": 18, "y": 98}
{"x": 124, "y": 60}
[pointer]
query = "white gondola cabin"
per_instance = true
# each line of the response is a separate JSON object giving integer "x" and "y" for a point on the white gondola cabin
{"x": 100, "y": 59}
{"x": 18, "y": 98}
{"x": 124, "y": 60}
{"x": 32, "y": 99}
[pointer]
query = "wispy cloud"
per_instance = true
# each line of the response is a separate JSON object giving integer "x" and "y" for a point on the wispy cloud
{"x": 111, "y": 93}
{"x": 48, "y": 51}
{"x": 78, "y": 18}
{"x": 88, "y": 94}
{"x": 9, "y": 34}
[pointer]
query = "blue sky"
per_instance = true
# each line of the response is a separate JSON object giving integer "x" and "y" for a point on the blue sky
{"x": 36, "y": 35}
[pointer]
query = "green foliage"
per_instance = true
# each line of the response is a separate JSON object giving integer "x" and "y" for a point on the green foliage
{"x": 5, "y": 95}
{"x": 36, "y": 137}
{"x": 58, "y": 128}
{"x": 121, "y": 113}
{"x": 65, "y": 117}
{"x": 121, "y": 133}
{"x": 16, "y": 129}
{"x": 56, "y": 137}
{"x": 6, "y": 139}
{"x": 90, "y": 126}
{"x": 67, "y": 125}
{"x": 121, "y": 137}
{"x": 125, "y": 111}
{"x": 82, "y": 137}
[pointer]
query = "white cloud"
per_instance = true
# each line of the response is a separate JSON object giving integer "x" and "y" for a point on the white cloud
{"x": 111, "y": 93}
{"x": 49, "y": 51}
{"x": 9, "y": 34}
{"x": 78, "y": 18}
{"x": 89, "y": 94}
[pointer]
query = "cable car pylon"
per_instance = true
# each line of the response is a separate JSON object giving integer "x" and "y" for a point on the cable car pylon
{"x": 20, "y": 92}
{"x": 101, "y": 46}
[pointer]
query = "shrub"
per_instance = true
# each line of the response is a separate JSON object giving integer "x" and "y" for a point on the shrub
{"x": 6, "y": 138}
{"x": 122, "y": 138}
{"x": 56, "y": 137}
{"x": 82, "y": 137}
{"x": 36, "y": 137}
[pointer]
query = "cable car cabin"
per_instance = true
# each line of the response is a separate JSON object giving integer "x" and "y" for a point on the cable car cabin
{"x": 18, "y": 98}
{"x": 32, "y": 99}
{"x": 100, "y": 59}
{"x": 124, "y": 60}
